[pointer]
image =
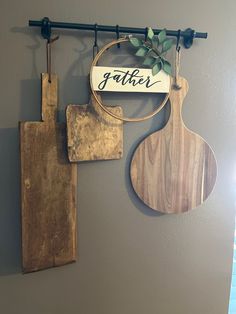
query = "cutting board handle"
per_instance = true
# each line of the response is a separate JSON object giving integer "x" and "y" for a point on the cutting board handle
{"x": 49, "y": 97}
{"x": 176, "y": 99}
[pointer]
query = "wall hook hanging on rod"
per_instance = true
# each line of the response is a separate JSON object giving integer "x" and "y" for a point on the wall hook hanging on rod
{"x": 46, "y": 25}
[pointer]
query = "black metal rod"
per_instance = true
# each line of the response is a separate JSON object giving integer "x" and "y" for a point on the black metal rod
{"x": 188, "y": 34}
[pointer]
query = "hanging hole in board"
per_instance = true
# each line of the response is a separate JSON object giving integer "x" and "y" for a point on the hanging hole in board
{"x": 49, "y": 56}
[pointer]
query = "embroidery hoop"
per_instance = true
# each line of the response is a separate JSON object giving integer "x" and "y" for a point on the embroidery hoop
{"x": 95, "y": 94}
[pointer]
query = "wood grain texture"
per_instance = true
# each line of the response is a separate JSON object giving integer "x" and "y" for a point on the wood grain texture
{"x": 92, "y": 134}
{"x": 48, "y": 188}
{"x": 173, "y": 170}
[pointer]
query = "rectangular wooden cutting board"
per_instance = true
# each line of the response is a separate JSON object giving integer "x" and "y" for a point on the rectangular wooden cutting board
{"x": 92, "y": 134}
{"x": 48, "y": 188}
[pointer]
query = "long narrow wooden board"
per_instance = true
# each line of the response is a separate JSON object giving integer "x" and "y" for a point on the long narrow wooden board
{"x": 174, "y": 170}
{"x": 48, "y": 188}
{"x": 92, "y": 134}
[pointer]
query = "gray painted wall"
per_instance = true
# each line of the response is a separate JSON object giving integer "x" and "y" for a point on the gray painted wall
{"x": 131, "y": 260}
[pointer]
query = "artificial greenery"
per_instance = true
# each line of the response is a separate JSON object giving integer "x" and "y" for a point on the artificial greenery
{"x": 153, "y": 50}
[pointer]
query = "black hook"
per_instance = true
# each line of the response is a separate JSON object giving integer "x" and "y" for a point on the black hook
{"x": 178, "y": 40}
{"x": 95, "y": 46}
{"x": 146, "y": 33}
{"x": 118, "y": 34}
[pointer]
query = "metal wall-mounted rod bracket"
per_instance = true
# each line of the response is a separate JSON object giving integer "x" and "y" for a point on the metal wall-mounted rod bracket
{"x": 46, "y": 28}
{"x": 188, "y": 39}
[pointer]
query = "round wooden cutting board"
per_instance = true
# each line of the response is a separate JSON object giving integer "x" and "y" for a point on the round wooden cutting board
{"x": 173, "y": 170}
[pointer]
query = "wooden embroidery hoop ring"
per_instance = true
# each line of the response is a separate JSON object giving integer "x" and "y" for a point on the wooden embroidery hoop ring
{"x": 124, "y": 119}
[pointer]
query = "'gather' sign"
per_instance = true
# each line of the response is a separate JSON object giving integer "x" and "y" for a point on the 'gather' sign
{"x": 114, "y": 79}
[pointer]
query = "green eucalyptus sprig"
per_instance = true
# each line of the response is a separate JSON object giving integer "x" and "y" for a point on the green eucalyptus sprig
{"x": 154, "y": 50}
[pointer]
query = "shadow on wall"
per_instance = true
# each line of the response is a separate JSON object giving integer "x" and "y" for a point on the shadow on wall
{"x": 10, "y": 221}
{"x": 33, "y": 34}
{"x": 74, "y": 87}
{"x": 29, "y": 110}
{"x": 10, "y": 235}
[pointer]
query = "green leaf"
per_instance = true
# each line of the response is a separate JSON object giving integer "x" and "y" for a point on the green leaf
{"x": 162, "y": 36}
{"x": 156, "y": 68}
{"x": 149, "y": 61}
{"x": 150, "y": 33}
{"x": 167, "y": 44}
{"x": 142, "y": 52}
{"x": 136, "y": 42}
{"x": 167, "y": 67}
{"x": 155, "y": 42}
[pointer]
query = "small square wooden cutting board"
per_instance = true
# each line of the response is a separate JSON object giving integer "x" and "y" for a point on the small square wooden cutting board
{"x": 48, "y": 188}
{"x": 92, "y": 134}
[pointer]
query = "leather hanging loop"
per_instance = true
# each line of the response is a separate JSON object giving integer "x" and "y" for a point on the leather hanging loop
{"x": 177, "y": 61}
{"x": 49, "y": 56}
